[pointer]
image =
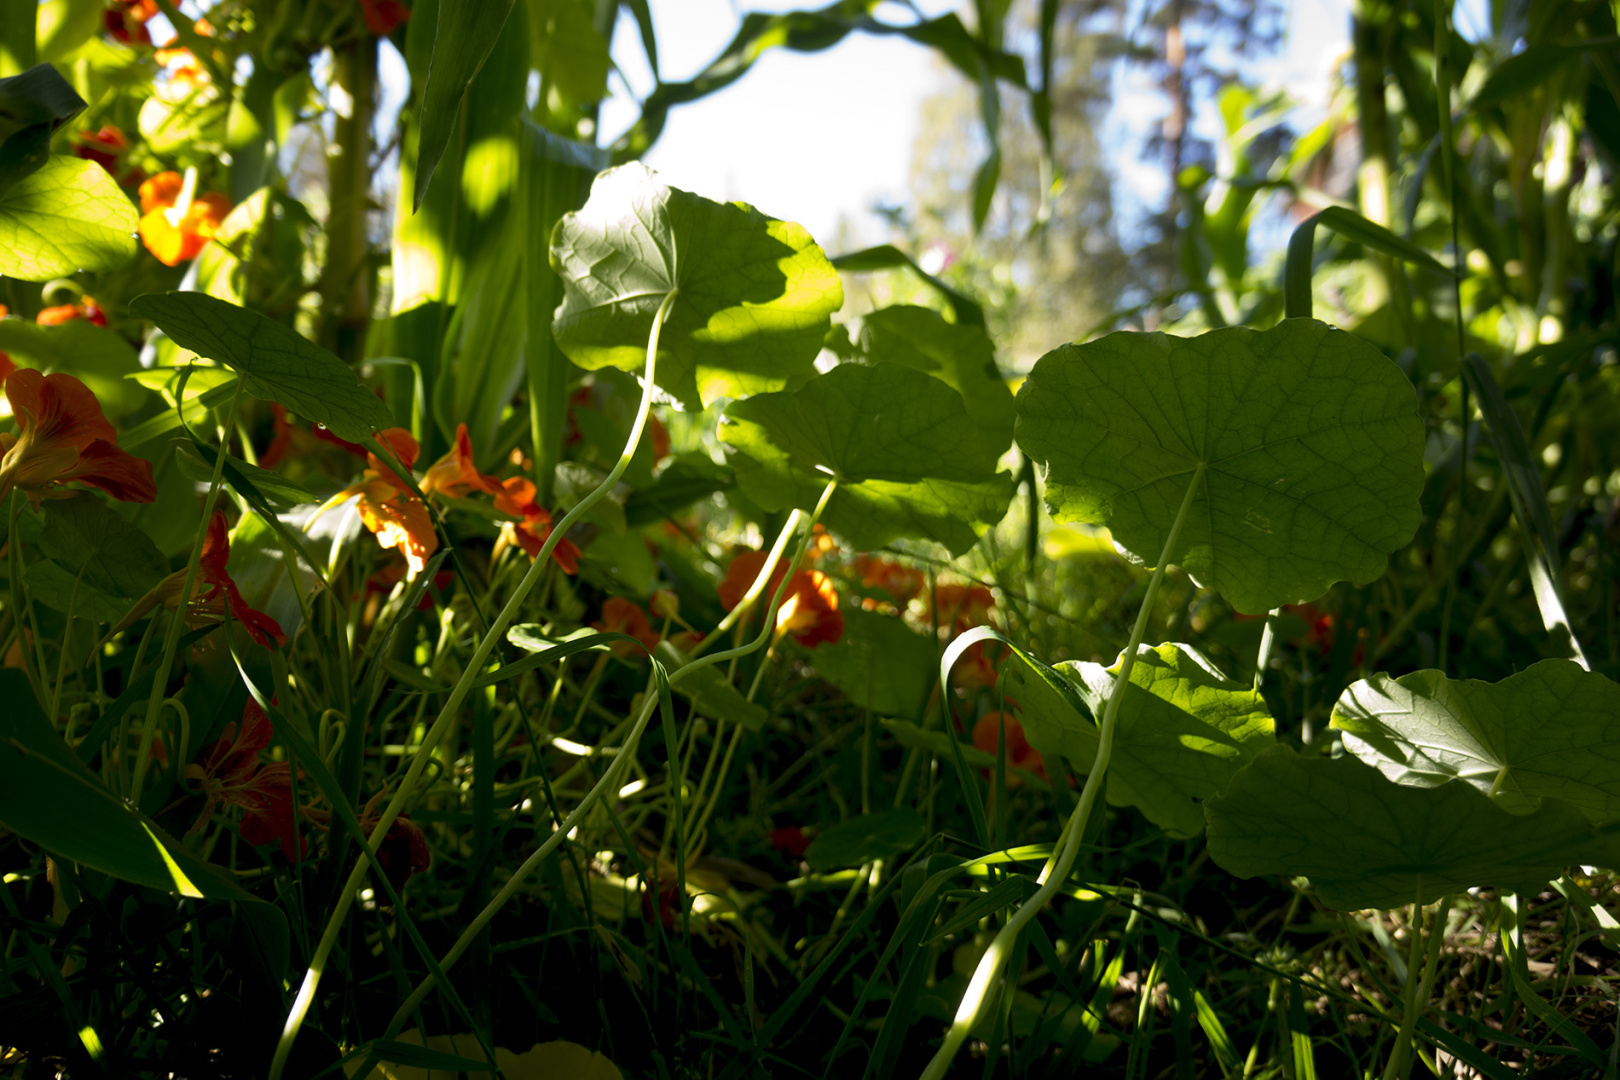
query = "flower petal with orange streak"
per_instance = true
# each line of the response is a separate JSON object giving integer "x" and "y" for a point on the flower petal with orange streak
{"x": 120, "y": 474}
{"x": 455, "y": 475}
{"x": 400, "y": 522}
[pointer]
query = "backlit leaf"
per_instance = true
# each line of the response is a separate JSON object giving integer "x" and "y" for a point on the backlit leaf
{"x": 1547, "y": 732}
{"x": 275, "y": 361}
{"x": 465, "y": 37}
{"x": 1368, "y": 843}
{"x": 756, "y": 294}
{"x": 68, "y": 216}
{"x": 900, "y": 442}
{"x": 960, "y": 356}
{"x": 1183, "y": 730}
{"x": 1309, "y": 436}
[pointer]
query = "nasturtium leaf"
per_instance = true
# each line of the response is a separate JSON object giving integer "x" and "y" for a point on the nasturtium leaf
{"x": 49, "y": 583}
{"x": 85, "y": 534}
{"x": 33, "y": 105}
{"x": 862, "y": 839}
{"x": 276, "y": 362}
{"x": 1309, "y": 438}
{"x": 959, "y": 355}
{"x": 881, "y": 663}
{"x": 96, "y": 356}
{"x": 1368, "y": 843}
{"x": 756, "y": 294}
{"x": 1547, "y": 732}
{"x": 1183, "y": 730}
{"x": 900, "y": 442}
{"x": 67, "y": 216}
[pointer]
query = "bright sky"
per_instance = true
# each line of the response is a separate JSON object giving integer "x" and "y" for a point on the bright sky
{"x": 821, "y": 136}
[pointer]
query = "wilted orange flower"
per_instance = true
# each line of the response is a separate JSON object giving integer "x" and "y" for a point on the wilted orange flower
{"x": 229, "y": 772}
{"x": 383, "y": 17}
{"x": 89, "y": 311}
{"x": 516, "y": 498}
{"x": 809, "y": 608}
{"x": 403, "y": 849}
{"x": 898, "y": 580}
{"x": 176, "y": 223}
{"x": 222, "y": 594}
{"x": 454, "y": 475}
{"x": 65, "y": 437}
{"x": 962, "y": 607}
{"x": 1019, "y": 752}
{"x": 626, "y": 617}
{"x": 125, "y": 20}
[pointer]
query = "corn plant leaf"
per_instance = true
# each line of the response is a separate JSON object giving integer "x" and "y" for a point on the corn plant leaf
{"x": 1183, "y": 730}
{"x": 1366, "y": 842}
{"x": 900, "y": 442}
{"x": 466, "y": 35}
{"x": 960, "y": 356}
{"x": 1309, "y": 438}
{"x": 756, "y": 294}
{"x": 66, "y": 216}
{"x": 864, "y": 838}
{"x": 276, "y": 363}
{"x": 1546, "y": 732}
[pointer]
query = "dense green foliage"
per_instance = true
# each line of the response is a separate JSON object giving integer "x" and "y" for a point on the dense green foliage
{"x": 576, "y": 627}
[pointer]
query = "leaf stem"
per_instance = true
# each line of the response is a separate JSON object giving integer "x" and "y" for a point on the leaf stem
{"x": 171, "y": 637}
{"x": 1056, "y": 871}
{"x": 447, "y": 715}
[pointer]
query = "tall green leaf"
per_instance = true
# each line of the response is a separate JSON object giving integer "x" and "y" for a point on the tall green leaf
{"x": 467, "y": 34}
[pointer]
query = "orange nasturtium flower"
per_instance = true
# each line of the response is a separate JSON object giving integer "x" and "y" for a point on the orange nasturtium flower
{"x": 454, "y": 475}
{"x": 176, "y": 222}
{"x": 1019, "y": 752}
{"x": 517, "y": 499}
{"x": 898, "y": 580}
{"x": 222, "y": 594}
{"x": 626, "y": 617}
{"x": 809, "y": 608}
{"x": 387, "y": 507}
{"x": 125, "y": 20}
{"x": 89, "y": 311}
{"x": 63, "y": 436}
{"x": 229, "y": 772}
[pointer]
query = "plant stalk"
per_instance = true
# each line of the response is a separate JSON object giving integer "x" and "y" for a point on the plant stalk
{"x": 1057, "y": 869}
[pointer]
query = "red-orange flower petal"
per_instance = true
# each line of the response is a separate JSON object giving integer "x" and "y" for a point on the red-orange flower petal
{"x": 455, "y": 475}
{"x": 626, "y": 617}
{"x": 65, "y": 437}
{"x": 383, "y": 17}
{"x": 216, "y": 553}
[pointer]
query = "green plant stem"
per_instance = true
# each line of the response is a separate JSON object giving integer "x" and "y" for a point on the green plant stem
{"x": 1057, "y": 869}
{"x": 171, "y": 638}
{"x": 452, "y": 707}
{"x": 1419, "y": 981}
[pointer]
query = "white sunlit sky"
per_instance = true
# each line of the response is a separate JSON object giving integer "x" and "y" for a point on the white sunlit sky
{"x": 821, "y": 137}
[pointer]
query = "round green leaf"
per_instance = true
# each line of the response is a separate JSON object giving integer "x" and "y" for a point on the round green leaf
{"x": 1183, "y": 730}
{"x": 880, "y": 663}
{"x": 1368, "y": 843}
{"x": 756, "y": 294}
{"x": 66, "y": 217}
{"x": 862, "y": 839}
{"x": 900, "y": 442}
{"x": 1309, "y": 437}
{"x": 959, "y": 355}
{"x": 94, "y": 355}
{"x": 1547, "y": 732}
